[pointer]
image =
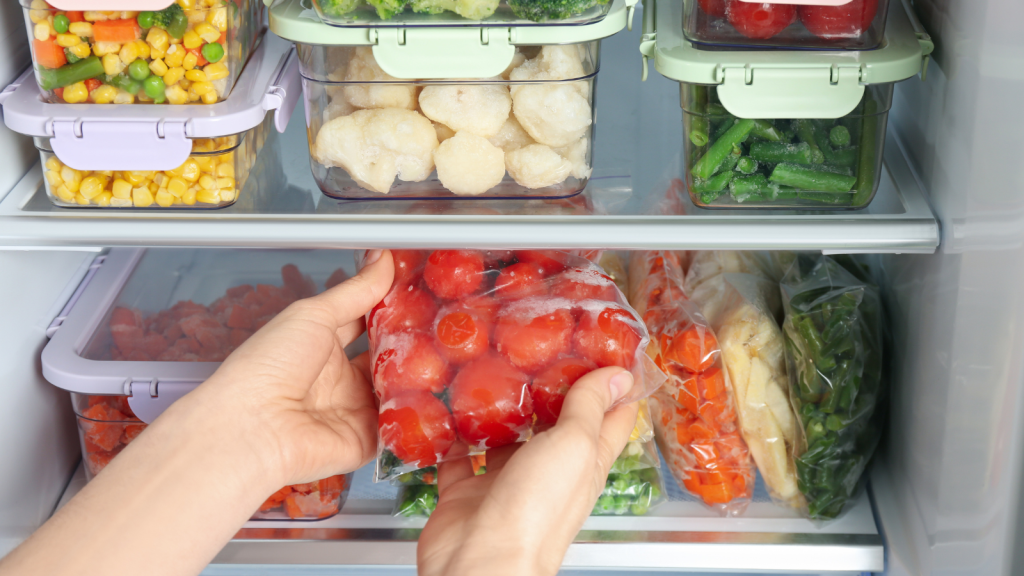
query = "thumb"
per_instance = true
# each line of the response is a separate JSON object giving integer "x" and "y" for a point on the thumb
{"x": 586, "y": 409}
{"x": 353, "y": 298}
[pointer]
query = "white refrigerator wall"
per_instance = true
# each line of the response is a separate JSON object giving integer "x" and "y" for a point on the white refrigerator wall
{"x": 955, "y": 441}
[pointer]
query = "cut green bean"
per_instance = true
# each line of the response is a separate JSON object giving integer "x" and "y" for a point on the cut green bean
{"x": 846, "y": 157}
{"x": 865, "y": 181}
{"x": 716, "y": 109}
{"x": 767, "y": 130}
{"x": 700, "y": 125}
{"x": 729, "y": 164}
{"x": 722, "y": 128}
{"x": 776, "y": 152}
{"x": 805, "y": 132}
{"x": 722, "y": 147}
{"x": 746, "y": 165}
{"x": 821, "y": 139}
{"x": 716, "y": 183}
{"x": 744, "y": 188}
{"x": 839, "y": 136}
{"x": 811, "y": 179}
{"x": 69, "y": 74}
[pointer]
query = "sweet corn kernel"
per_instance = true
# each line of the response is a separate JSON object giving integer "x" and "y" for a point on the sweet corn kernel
{"x": 95, "y": 16}
{"x": 175, "y": 95}
{"x": 207, "y": 182}
{"x": 208, "y": 196}
{"x": 192, "y": 96}
{"x": 206, "y": 163}
{"x": 81, "y": 200}
{"x": 52, "y": 163}
{"x": 227, "y": 158}
{"x": 158, "y": 39}
{"x": 163, "y": 198}
{"x": 81, "y": 50}
{"x": 153, "y": 187}
{"x": 129, "y": 52}
{"x": 68, "y": 40}
{"x": 207, "y": 32}
{"x": 226, "y": 183}
{"x": 120, "y": 202}
{"x": 83, "y": 29}
{"x": 160, "y": 179}
{"x": 121, "y": 188}
{"x": 219, "y": 18}
{"x": 104, "y": 94}
{"x": 158, "y": 67}
{"x": 173, "y": 75}
{"x": 101, "y": 49}
{"x": 41, "y": 31}
{"x": 64, "y": 194}
{"x": 190, "y": 61}
{"x": 112, "y": 65}
{"x": 192, "y": 40}
{"x": 187, "y": 4}
{"x": 142, "y": 49}
{"x": 76, "y": 93}
{"x": 142, "y": 197}
{"x": 196, "y": 16}
{"x": 53, "y": 178}
{"x": 103, "y": 199}
{"x": 177, "y": 186}
{"x": 196, "y": 76}
{"x": 190, "y": 170}
{"x": 69, "y": 174}
{"x": 175, "y": 56}
{"x": 40, "y": 11}
{"x": 134, "y": 177}
{"x": 107, "y": 173}
{"x": 227, "y": 195}
{"x": 215, "y": 71}
{"x": 189, "y": 197}
{"x": 91, "y": 186}
{"x": 124, "y": 97}
{"x": 210, "y": 97}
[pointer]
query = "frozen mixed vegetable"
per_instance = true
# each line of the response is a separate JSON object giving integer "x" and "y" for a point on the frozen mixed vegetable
{"x": 715, "y": 21}
{"x": 535, "y": 10}
{"x": 417, "y": 492}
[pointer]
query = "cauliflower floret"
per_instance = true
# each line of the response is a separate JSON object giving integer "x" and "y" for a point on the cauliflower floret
{"x": 374, "y": 146}
{"x": 553, "y": 63}
{"x": 537, "y": 166}
{"x": 511, "y": 136}
{"x": 337, "y": 108}
{"x": 577, "y": 154}
{"x": 363, "y": 68}
{"x": 468, "y": 164}
{"x": 517, "y": 61}
{"x": 443, "y": 132}
{"x": 475, "y": 108}
{"x": 552, "y": 114}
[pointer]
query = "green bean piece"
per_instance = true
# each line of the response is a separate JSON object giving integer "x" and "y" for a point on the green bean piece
{"x": 845, "y": 157}
{"x": 777, "y": 152}
{"x": 716, "y": 183}
{"x": 722, "y": 147}
{"x": 767, "y": 130}
{"x": 729, "y": 163}
{"x": 811, "y": 179}
{"x": 786, "y": 193}
{"x": 178, "y": 25}
{"x": 821, "y": 139}
{"x": 124, "y": 82}
{"x": 865, "y": 183}
{"x": 746, "y": 165}
{"x": 839, "y": 136}
{"x": 699, "y": 131}
{"x": 805, "y": 132}
{"x": 722, "y": 128}
{"x": 71, "y": 56}
{"x": 68, "y": 74}
{"x": 834, "y": 423}
{"x": 826, "y": 479}
{"x": 716, "y": 109}
{"x": 746, "y": 188}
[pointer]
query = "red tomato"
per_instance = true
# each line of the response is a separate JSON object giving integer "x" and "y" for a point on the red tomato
{"x": 499, "y": 258}
{"x": 550, "y": 260}
{"x": 408, "y": 361}
{"x": 461, "y": 336}
{"x": 714, "y": 8}
{"x": 404, "y": 308}
{"x": 532, "y": 339}
{"x": 608, "y": 337}
{"x": 693, "y": 349}
{"x": 491, "y": 402}
{"x": 417, "y": 428}
{"x": 584, "y": 284}
{"x": 408, "y": 265}
{"x": 550, "y": 387}
{"x": 760, "y": 21}
{"x": 483, "y": 306}
{"x": 454, "y": 274}
{"x": 846, "y": 21}
{"x": 520, "y": 280}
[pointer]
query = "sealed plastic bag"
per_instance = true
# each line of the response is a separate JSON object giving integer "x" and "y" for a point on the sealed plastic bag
{"x": 694, "y": 418}
{"x": 634, "y": 485}
{"x": 473, "y": 349}
{"x": 417, "y": 490}
{"x": 833, "y": 328}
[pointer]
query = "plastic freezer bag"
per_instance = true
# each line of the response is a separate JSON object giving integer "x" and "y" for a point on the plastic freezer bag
{"x": 694, "y": 417}
{"x": 833, "y": 327}
{"x": 473, "y": 350}
{"x": 634, "y": 485}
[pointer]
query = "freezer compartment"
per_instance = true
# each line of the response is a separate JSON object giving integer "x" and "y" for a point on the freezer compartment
{"x": 802, "y": 24}
{"x": 212, "y": 177}
{"x": 189, "y": 52}
{"x": 438, "y": 13}
{"x": 526, "y": 134}
{"x": 106, "y": 425}
{"x": 819, "y": 164}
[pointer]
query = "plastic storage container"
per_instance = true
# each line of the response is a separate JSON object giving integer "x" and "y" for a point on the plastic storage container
{"x": 442, "y": 112}
{"x": 464, "y": 12}
{"x": 799, "y": 24}
{"x": 106, "y": 424}
{"x": 183, "y": 52}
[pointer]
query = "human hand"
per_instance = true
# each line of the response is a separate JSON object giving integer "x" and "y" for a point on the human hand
{"x": 520, "y": 517}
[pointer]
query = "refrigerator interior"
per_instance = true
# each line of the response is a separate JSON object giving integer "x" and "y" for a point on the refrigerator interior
{"x": 945, "y": 485}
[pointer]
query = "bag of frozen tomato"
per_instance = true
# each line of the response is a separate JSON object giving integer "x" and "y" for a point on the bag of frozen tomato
{"x": 473, "y": 349}
{"x": 694, "y": 415}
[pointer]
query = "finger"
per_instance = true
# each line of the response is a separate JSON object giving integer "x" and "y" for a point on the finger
{"x": 453, "y": 471}
{"x": 361, "y": 363}
{"x": 591, "y": 396}
{"x": 615, "y": 431}
{"x": 348, "y": 333}
{"x": 353, "y": 298}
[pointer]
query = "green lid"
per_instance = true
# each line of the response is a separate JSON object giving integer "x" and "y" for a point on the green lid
{"x": 783, "y": 83}
{"x": 441, "y": 51}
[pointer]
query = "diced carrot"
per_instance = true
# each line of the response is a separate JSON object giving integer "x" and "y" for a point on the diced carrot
{"x": 700, "y": 431}
{"x": 693, "y": 349}
{"x": 75, "y": 16}
{"x": 687, "y": 394}
{"x": 739, "y": 485}
{"x": 200, "y": 61}
{"x": 712, "y": 383}
{"x": 692, "y": 484}
{"x": 92, "y": 84}
{"x": 683, "y": 435}
{"x": 120, "y": 31}
{"x": 59, "y": 93}
{"x": 714, "y": 477}
{"x": 428, "y": 478}
{"x": 49, "y": 54}
{"x": 716, "y": 493}
{"x": 705, "y": 453}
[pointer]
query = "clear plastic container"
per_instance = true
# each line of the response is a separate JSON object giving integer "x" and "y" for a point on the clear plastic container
{"x": 131, "y": 57}
{"x": 802, "y": 24}
{"x": 106, "y": 424}
{"x": 461, "y": 13}
{"x": 212, "y": 177}
{"x": 526, "y": 134}
{"x": 821, "y": 164}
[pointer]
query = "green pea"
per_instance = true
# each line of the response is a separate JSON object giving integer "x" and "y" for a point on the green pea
{"x": 146, "y": 19}
{"x": 61, "y": 23}
{"x": 213, "y": 52}
{"x": 139, "y": 70}
{"x": 154, "y": 87}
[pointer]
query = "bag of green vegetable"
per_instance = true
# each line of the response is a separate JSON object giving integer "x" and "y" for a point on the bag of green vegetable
{"x": 833, "y": 327}
{"x": 416, "y": 500}
{"x": 634, "y": 485}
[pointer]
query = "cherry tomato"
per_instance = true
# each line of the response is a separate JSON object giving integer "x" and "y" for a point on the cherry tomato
{"x": 417, "y": 428}
{"x": 759, "y": 21}
{"x": 531, "y": 340}
{"x": 491, "y": 402}
{"x": 846, "y": 21}
{"x": 608, "y": 337}
{"x": 408, "y": 265}
{"x": 499, "y": 258}
{"x": 584, "y": 284}
{"x": 714, "y": 8}
{"x": 550, "y": 260}
{"x": 454, "y": 274}
{"x": 520, "y": 280}
{"x": 461, "y": 336}
{"x": 483, "y": 306}
{"x": 550, "y": 387}
{"x": 693, "y": 349}
{"x": 408, "y": 361}
{"x": 404, "y": 308}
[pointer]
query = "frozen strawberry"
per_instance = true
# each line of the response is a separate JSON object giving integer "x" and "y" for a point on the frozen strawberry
{"x": 302, "y": 286}
{"x": 846, "y": 21}
{"x": 608, "y": 337}
{"x": 499, "y": 258}
{"x": 532, "y": 334}
{"x": 584, "y": 284}
{"x": 759, "y": 21}
{"x": 714, "y": 8}
{"x": 336, "y": 277}
{"x": 520, "y": 280}
{"x": 453, "y": 274}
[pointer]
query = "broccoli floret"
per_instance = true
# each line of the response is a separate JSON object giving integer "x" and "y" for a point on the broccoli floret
{"x": 165, "y": 17}
{"x": 540, "y": 10}
{"x": 471, "y": 9}
{"x": 338, "y": 7}
{"x": 386, "y": 9}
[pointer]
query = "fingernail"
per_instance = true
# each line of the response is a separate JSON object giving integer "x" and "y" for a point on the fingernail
{"x": 371, "y": 256}
{"x": 620, "y": 384}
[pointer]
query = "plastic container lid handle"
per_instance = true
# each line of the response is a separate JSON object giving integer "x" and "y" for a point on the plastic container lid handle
{"x": 283, "y": 95}
{"x": 120, "y": 145}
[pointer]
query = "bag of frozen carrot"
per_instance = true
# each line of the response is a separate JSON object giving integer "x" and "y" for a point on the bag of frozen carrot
{"x": 694, "y": 417}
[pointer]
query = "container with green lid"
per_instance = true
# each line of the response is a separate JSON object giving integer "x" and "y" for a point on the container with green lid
{"x": 783, "y": 129}
{"x": 385, "y": 13}
{"x": 435, "y": 112}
